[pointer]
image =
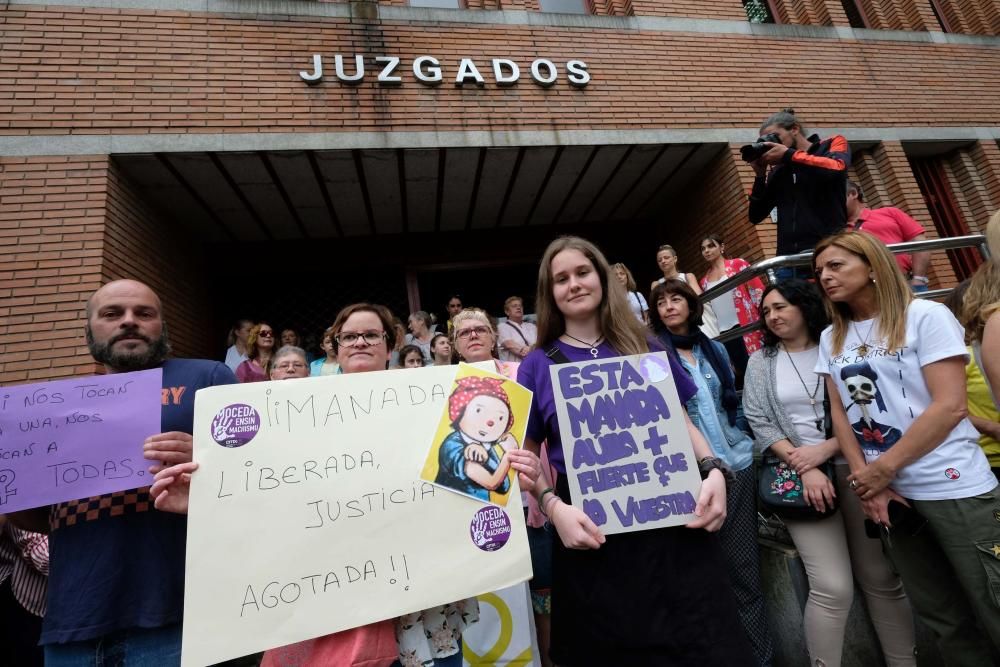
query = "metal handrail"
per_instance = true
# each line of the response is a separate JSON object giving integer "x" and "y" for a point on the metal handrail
{"x": 766, "y": 268}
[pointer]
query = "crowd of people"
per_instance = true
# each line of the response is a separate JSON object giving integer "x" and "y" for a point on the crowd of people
{"x": 876, "y": 411}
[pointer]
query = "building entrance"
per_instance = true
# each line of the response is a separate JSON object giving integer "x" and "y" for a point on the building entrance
{"x": 292, "y": 236}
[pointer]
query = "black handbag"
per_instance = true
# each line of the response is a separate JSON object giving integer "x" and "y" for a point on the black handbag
{"x": 779, "y": 488}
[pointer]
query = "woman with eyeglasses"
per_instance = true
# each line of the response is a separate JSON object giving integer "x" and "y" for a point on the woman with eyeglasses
{"x": 260, "y": 347}
{"x": 363, "y": 335}
{"x": 289, "y": 363}
{"x": 896, "y": 366}
{"x": 475, "y": 341}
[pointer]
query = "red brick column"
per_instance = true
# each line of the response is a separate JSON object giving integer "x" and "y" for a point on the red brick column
{"x": 67, "y": 225}
{"x": 717, "y": 204}
{"x": 52, "y": 226}
{"x": 886, "y": 176}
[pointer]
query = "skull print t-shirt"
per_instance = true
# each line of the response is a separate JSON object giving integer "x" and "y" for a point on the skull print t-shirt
{"x": 884, "y": 392}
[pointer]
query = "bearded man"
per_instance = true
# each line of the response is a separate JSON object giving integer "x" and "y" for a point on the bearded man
{"x": 116, "y": 571}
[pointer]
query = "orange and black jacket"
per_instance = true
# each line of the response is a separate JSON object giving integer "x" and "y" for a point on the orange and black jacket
{"x": 809, "y": 189}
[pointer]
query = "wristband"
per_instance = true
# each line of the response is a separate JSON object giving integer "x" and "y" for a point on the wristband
{"x": 542, "y": 507}
{"x": 541, "y": 496}
{"x": 920, "y": 279}
{"x": 710, "y": 463}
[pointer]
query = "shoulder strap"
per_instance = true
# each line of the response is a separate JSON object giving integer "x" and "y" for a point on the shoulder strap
{"x": 556, "y": 355}
{"x": 519, "y": 332}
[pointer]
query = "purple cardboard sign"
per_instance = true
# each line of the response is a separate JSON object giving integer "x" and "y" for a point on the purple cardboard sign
{"x": 629, "y": 459}
{"x": 78, "y": 438}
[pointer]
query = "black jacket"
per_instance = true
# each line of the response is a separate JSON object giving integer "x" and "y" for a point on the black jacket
{"x": 809, "y": 190}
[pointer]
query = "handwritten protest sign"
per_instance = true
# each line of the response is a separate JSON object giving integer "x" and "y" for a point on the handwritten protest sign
{"x": 628, "y": 454}
{"x": 485, "y": 416}
{"x": 307, "y": 515}
{"x": 76, "y": 438}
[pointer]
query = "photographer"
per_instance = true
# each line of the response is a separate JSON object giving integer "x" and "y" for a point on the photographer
{"x": 806, "y": 183}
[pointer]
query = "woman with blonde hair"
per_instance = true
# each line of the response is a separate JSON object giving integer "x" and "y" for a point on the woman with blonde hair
{"x": 363, "y": 335}
{"x": 636, "y": 301}
{"x": 260, "y": 349}
{"x": 478, "y": 341}
{"x": 658, "y": 619}
{"x": 897, "y": 367}
{"x": 979, "y": 311}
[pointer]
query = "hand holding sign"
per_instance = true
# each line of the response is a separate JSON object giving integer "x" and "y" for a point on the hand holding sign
{"x": 172, "y": 488}
{"x": 628, "y": 449}
{"x": 575, "y": 528}
{"x": 711, "y": 507}
{"x": 167, "y": 449}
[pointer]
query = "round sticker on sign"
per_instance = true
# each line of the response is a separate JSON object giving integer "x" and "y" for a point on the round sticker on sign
{"x": 490, "y": 528}
{"x": 235, "y": 425}
{"x": 655, "y": 369}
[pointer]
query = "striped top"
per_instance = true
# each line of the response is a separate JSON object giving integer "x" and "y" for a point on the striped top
{"x": 24, "y": 558}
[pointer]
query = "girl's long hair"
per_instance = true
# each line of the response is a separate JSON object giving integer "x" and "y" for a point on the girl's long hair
{"x": 618, "y": 325}
{"x": 981, "y": 300}
{"x": 629, "y": 280}
{"x": 892, "y": 294}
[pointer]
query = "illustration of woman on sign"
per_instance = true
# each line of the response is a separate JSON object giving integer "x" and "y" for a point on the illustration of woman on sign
{"x": 473, "y": 459}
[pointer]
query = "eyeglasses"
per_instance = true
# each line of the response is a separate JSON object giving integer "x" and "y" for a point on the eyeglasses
{"x": 479, "y": 331}
{"x": 265, "y": 334}
{"x": 295, "y": 365}
{"x": 350, "y": 339}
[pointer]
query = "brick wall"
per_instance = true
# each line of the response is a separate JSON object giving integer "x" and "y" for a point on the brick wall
{"x": 976, "y": 17}
{"x": 885, "y": 175}
{"x": 52, "y": 226}
{"x": 717, "y": 203}
{"x": 138, "y": 244}
{"x": 98, "y": 71}
{"x": 67, "y": 225}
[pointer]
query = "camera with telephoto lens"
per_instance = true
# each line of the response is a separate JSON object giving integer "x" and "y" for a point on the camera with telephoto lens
{"x": 752, "y": 152}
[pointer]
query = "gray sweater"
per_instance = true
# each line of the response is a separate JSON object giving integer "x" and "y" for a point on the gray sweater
{"x": 765, "y": 414}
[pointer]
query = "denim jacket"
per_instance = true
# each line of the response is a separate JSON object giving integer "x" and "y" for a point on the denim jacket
{"x": 728, "y": 442}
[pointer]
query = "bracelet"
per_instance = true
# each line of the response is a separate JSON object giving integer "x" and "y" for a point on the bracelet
{"x": 920, "y": 279}
{"x": 541, "y": 496}
{"x": 542, "y": 508}
{"x": 710, "y": 463}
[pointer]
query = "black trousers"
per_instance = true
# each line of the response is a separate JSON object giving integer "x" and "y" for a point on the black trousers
{"x": 19, "y": 630}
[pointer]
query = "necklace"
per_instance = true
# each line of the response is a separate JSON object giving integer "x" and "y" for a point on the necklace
{"x": 592, "y": 346}
{"x": 863, "y": 348}
{"x": 812, "y": 395}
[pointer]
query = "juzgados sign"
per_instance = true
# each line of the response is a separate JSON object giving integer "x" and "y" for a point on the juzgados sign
{"x": 429, "y": 71}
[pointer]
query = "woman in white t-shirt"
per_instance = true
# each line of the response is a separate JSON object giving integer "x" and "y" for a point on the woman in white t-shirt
{"x": 783, "y": 402}
{"x": 898, "y": 367}
{"x": 636, "y": 301}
